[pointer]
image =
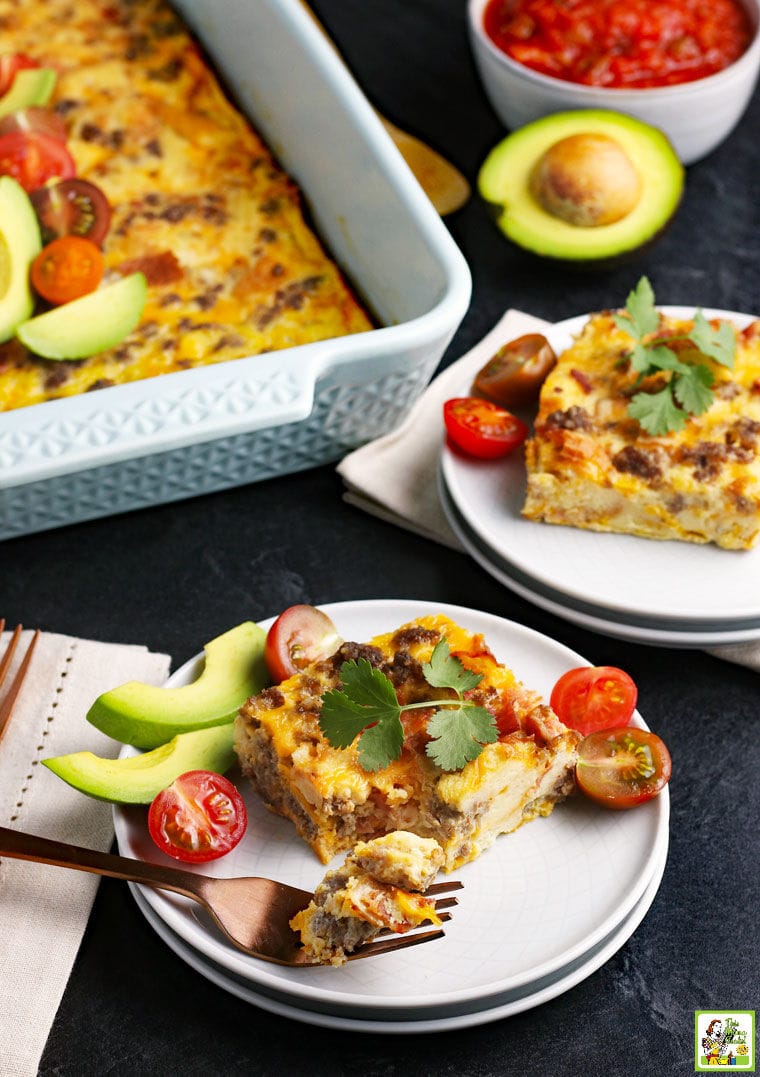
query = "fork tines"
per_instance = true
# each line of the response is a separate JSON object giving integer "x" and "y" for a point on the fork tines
{"x": 7, "y": 703}
{"x": 389, "y": 941}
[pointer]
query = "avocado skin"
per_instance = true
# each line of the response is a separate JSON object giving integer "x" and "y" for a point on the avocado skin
{"x": 139, "y": 779}
{"x": 147, "y": 716}
{"x": 538, "y": 247}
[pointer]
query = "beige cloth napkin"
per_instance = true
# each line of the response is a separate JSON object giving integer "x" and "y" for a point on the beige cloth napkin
{"x": 44, "y": 910}
{"x": 395, "y": 477}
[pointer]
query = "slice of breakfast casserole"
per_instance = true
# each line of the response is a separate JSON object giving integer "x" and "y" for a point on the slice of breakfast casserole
{"x": 379, "y": 886}
{"x": 335, "y": 802}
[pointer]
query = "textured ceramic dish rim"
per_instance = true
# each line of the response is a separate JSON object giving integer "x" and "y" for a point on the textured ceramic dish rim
{"x": 179, "y": 916}
{"x": 537, "y": 993}
{"x": 600, "y": 547}
{"x": 172, "y": 411}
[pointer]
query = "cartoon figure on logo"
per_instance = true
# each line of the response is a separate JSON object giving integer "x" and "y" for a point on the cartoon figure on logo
{"x": 714, "y": 1046}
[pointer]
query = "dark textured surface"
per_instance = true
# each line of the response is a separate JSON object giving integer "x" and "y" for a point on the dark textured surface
{"x": 175, "y": 576}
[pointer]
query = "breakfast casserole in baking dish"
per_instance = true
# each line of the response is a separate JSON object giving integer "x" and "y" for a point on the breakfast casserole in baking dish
{"x": 335, "y": 802}
{"x": 198, "y": 203}
{"x": 592, "y": 465}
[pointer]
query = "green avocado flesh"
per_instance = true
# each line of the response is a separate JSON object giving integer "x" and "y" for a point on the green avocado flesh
{"x": 19, "y": 245}
{"x": 31, "y": 86}
{"x": 140, "y": 778}
{"x": 88, "y": 325}
{"x": 504, "y": 182}
{"x": 147, "y": 716}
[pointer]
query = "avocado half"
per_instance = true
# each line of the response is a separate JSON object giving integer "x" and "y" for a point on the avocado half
{"x": 507, "y": 180}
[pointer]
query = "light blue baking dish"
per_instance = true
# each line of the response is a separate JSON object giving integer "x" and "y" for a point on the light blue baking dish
{"x": 196, "y": 431}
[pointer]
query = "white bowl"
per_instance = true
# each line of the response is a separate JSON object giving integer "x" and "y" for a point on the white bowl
{"x": 696, "y": 116}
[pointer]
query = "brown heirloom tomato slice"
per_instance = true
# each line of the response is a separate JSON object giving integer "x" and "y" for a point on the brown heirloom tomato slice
{"x": 621, "y": 768}
{"x": 514, "y": 375}
{"x": 481, "y": 428}
{"x": 199, "y": 817}
{"x": 300, "y": 635}
{"x": 72, "y": 207}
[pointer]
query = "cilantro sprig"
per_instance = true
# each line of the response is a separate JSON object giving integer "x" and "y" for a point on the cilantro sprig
{"x": 688, "y": 390}
{"x": 366, "y": 706}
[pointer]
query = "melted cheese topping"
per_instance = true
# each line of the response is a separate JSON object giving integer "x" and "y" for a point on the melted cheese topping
{"x": 591, "y": 465}
{"x": 199, "y": 204}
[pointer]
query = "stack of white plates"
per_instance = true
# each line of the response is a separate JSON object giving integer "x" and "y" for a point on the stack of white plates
{"x": 541, "y": 910}
{"x": 675, "y": 594}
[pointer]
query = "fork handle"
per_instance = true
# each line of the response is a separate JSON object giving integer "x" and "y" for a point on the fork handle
{"x": 21, "y": 846}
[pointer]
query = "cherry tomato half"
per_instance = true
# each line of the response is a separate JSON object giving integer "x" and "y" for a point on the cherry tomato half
{"x": 10, "y": 63}
{"x": 513, "y": 377}
{"x": 34, "y": 119}
{"x": 200, "y": 817}
{"x": 67, "y": 269}
{"x": 33, "y": 158}
{"x": 480, "y": 428}
{"x": 594, "y": 697}
{"x": 621, "y": 768}
{"x": 73, "y": 207}
{"x": 300, "y": 635}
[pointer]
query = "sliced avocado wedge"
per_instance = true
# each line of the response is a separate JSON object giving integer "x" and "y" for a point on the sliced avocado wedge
{"x": 147, "y": 716}
{"x": 140, "y": 778}
{"x": 31, "y": 86}
{"x": 89, "y": 325}
{"x": 513, "y": 182}
{"x": 20, "y": 243}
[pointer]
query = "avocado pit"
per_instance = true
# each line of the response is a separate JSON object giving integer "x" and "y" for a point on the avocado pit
{"x": 587, "y": 180}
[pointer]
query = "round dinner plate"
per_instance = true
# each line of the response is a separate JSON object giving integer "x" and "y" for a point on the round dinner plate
{"x": 537, "y": 900}
{"x": 668, "y": 583}
{"x": 582, "y": 614}
{"x": 507, "y": 1006}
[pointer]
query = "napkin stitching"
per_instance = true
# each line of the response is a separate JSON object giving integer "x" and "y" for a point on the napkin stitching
{"x": 49, "y": 718}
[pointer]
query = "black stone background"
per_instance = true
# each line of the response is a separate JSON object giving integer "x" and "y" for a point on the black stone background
{"x": 174, "y": 576}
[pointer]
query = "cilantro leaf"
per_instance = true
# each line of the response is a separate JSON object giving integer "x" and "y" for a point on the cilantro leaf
{"x": 459, "y": 735}
{"x": 443, "y": 671}
{"x": 657, "y": 412}
{"x": 718, "y": 344}
{"x": 662, "y": 358}
{"x": 693, "y": 389}
{"x": 381, "y": 744}
{"x": 643, "y": 316}
{"x": 367, "y": 697}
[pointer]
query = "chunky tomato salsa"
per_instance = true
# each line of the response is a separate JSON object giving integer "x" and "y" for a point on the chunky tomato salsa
{"x": 620, "y": 43}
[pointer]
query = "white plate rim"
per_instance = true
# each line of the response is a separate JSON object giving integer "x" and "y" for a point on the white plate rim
{"x": 464, "y": 496}
{"x": 394, "y": 612}
{"x": 565, "y": 981}
{"x": 500, "y": 570}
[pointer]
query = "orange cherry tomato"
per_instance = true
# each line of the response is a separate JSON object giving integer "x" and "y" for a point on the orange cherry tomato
{"x": 67, "y": 268}
{"x": 480, "y": 428}
{"x": 514, "y": 375}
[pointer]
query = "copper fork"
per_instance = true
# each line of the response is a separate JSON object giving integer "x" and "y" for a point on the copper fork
{"x": 9, "y": 700}
{"x": 253, "y": 913}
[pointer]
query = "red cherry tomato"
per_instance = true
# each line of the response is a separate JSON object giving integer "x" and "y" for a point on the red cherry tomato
{"x": 513, "y": 377}
{"x": 594, "y": 697}
{"x": 480, "y": 428}
{"x": 300, "y": 635}
{"x": 621, "y": 768}
{"x": 10, "y": 63}
{"x": 33, "y": 158}
{"x": 67, "y": 268}
{"x": 35, "y": 120}
{"x": 200, "y": 817}
{"x": 73, "y": 207}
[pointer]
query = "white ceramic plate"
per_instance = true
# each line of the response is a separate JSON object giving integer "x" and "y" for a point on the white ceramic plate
{"x": 536, "y": 901}
{"x": 668, "y": 583}
{"x": 533, "y": 995}
{"x": 620, "y": 629}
